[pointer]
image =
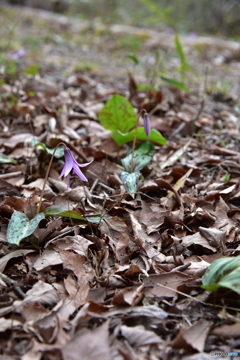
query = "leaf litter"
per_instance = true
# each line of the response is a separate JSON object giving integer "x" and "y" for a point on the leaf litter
{"x": 105, "y": 275}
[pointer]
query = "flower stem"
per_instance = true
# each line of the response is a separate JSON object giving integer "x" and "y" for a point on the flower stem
{"x": 46, "y": 176}
{"x": 135, "y": 139}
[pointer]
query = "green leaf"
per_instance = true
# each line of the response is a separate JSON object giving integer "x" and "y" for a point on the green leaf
{"x": 130, "y": 181}
{"x": 118, "y": 114}
{"x": 6, "y": 160}
{"x": 52, "y": 211}
{"x": 175, "y": 83}
{"x": 155, "y": 136}
{"x": 145, "y": 87}
{"x": 223, "y": 272}
{"x": 133, "y": 57}
{"x": 184, "y": 67}
{"x": 11, "y": 68}
{"x": 20, "y": 226}
{"x": 96, "y": 219}
{"x": 227, "y": 178}
{"x": 32, "y": 70}
{"x": 179, "y": 49}
{"x": 142, "y": 156}
{"x": 58, "y": 153}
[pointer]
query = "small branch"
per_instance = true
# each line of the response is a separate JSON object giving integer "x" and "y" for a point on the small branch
{"x": 15, "y": 285}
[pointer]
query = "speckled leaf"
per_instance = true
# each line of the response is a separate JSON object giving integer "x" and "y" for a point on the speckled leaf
{"x": 20, "y": 226}
{"x": 118, "y": 114}
{"x": 130, "y": 181}
{"x": 142, "y": 156}
{"x": 224, "y": 272}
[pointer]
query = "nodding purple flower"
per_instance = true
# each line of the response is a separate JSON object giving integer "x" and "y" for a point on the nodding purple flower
{"x": 18, "y": 54}
{"x": 72, "y": 165}
{"x": 147, "y": 124}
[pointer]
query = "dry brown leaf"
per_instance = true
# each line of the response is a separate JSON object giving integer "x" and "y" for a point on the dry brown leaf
{"x": 48, "y": 258}
{"x": 193, "y": 337}
{"x": 78, "y": 290}
{"x": 17, "y": 253}
{"x": 89, "y": 345}
{"x": 180, "y": 183}
{"x": 226, "y": 331}
{"x": 214, "y": 236}
{"x": 197, "y": 239}
{"x": 139, "y": 336}
{"x": 6, "y": 324}
{"x": 171, "y": 280}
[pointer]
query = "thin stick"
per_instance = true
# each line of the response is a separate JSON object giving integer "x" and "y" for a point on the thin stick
{"x": 13, "y": 283}
{"x": 46, "y": 176}
{"x": 197, "y": 300}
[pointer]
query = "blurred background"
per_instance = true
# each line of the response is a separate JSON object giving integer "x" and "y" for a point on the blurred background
{"x": 215, "y": 17}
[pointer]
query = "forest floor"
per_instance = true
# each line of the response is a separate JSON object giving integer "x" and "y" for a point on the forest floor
{"x": 115, "y": 276}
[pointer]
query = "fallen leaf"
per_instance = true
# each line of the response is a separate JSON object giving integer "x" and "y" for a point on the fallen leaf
{"x": 89, "y": 345}
{"x": 139, "y": 336}
{"x": 193, "y": 337}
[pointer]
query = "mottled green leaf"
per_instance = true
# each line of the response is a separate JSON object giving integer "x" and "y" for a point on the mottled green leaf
{"x": 155, "y": 136}
{"x": 130, "y": 181}
{"x": 20, "y": 226}
{"x": 223, "y": 272}
{"x": 118, "y": 114}
{"x": 142, "y": 156}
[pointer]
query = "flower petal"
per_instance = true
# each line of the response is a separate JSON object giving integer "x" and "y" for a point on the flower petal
{"x": 147, "y": 124}
{"x": 69, "y": 162}
{"x": 78, "y": 172}
{"x": 84, "y": 165}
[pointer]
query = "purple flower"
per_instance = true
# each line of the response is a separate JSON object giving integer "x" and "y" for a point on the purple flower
{"x": 72, "y": 165}
{"x": 146, "y": 124}
{"x": 18, "y": 54}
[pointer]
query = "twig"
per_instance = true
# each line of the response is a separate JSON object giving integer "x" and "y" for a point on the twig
{"x": 106, "y": 187}
{"x": 197, "y": 300}
{"x": 8, "y": 175}
{"x": 13, "y": 283}
{"x": 94, "y": 185}
{"x": 182, "y": 267}
{"x": 201, "y": 104}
